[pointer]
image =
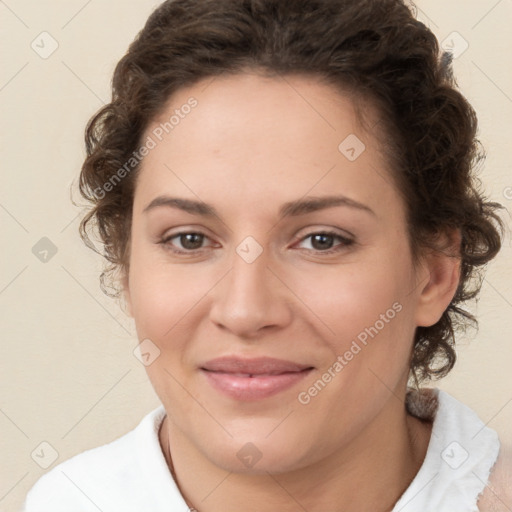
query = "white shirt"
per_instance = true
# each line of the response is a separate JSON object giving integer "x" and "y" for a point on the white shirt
{"x": 130, "y": 474}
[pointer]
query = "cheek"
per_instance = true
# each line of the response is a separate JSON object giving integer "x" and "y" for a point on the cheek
{"x": 166, "y": 306}
{"x": 365, "y": 314}
{"x": 348, "y": 300}
{"x": 163, "y": 296}
{"x": 371, "y": 316}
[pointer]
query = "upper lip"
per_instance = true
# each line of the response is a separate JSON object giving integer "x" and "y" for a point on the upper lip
{"x": 253, "y": 366}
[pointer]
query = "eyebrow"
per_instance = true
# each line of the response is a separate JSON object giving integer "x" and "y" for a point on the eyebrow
{"x": 290, "y": 209}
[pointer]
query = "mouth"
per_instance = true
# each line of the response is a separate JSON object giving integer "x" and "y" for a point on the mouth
{"x": 253, "y": 379}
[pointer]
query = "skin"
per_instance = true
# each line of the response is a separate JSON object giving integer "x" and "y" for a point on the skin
{"x": 251, "y": 145}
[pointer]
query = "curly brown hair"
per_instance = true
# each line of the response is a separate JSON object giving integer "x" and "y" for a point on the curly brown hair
{"x": 376, "y": 50}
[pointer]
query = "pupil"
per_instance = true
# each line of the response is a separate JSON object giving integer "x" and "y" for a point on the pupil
{"x": 323, "y": 244}
{"x": 187, "y": 241}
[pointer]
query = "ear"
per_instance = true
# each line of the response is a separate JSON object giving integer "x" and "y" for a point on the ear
{"x": 441, "y": 276}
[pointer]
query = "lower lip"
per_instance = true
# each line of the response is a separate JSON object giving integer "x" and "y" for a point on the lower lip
{"x": 253, "y": 388}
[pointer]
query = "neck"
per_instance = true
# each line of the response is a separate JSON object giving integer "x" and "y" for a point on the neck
{"x": 369, "y": 473}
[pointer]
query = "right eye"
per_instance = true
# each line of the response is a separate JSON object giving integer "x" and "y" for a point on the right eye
{"x": 190, "y": 242}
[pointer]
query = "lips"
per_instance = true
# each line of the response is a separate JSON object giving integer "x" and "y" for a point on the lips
{"x": 253, "y": 379}
{"x": 256, "y": 366}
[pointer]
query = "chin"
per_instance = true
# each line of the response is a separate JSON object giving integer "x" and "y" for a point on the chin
{"x": 258, "y": 453}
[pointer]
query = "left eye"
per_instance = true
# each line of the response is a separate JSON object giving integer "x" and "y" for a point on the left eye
{"x": 323, "y": 241}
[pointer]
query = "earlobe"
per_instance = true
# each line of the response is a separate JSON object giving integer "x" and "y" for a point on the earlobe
{"x": 439, "y": 287}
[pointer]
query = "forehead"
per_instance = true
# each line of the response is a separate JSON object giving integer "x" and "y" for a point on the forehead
{"x": 235, "y": 107}
{"x": 259, "y": 137}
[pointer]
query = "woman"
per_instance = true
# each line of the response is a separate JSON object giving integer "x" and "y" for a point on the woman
{"x": 285, "y": 195}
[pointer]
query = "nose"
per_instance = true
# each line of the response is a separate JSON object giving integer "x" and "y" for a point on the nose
{"x": 250, "y": 298}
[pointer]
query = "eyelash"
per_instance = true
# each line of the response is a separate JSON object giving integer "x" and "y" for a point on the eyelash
{"x": 346, "y": 242}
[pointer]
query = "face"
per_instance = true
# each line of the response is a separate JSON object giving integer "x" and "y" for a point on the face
{"x": 284, "y": 303}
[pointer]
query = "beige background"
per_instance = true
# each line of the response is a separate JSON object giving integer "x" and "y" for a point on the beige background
{"x": 68, "y": 373}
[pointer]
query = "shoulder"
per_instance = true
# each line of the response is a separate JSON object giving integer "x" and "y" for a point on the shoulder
{"x": 497, "y": 495}
{"x": 85, "y": 480}
{"x": 457, "y": 466}
{"x": 97, "y": 478}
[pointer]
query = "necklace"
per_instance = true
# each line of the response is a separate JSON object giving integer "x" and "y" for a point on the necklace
{"x": 167, "y": 455}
